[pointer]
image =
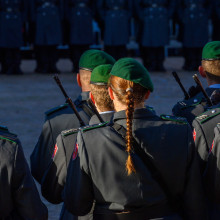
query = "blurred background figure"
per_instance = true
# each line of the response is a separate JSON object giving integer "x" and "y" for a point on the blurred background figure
{"x": 13, "y": 15}
{"x": 194, "y": 15}
{"x": 153, "y": 16}
{"x": 115, "y": 15}
{"x": 78, "y": 28}
{"x": 46, "y": 17}
{"x": 215, "y": 19}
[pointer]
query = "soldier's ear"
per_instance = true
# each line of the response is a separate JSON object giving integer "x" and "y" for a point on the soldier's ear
{"x": 202, "y": 72}
{"x": 78, "y": 80}
{"x": 92, "y": 97}
{"x": 147, "y": 95}
{"x": 110, "y": 92}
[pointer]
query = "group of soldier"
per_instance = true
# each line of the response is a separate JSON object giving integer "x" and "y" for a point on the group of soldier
{"x": 45, "y": 24}
{"x": 107, "y": 155}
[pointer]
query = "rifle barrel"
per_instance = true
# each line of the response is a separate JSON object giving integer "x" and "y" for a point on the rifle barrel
{"x": 198, "y": 82}
{"x": 69, "y": 100}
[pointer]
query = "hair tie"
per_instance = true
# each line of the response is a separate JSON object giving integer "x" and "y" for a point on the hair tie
{"x": 129, "y": 89}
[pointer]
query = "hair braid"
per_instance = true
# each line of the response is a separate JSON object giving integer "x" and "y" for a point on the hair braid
{"x": 129, "y": 116}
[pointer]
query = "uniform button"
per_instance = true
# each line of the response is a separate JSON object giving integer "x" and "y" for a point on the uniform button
{"x": 213, "y": 111}
{"x": 195, "y": 100}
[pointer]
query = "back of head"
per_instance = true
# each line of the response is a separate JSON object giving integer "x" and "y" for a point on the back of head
{"x": 88, "y": 61}
{"x": 130, "y": 82}
{"x": 211, "y": 61}
{"x": 99, "y": 87}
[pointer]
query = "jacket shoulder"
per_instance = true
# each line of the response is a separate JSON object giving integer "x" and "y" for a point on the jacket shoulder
{"x": 189, "y": 103}
{"x": 7, "y": 136}
{"x": 56, "y": 109}
{"x": 92, "y": 127}
{"x": 206, "y": 116}
{"x": 68, "y": 132}
{"x": 180, "y": 120}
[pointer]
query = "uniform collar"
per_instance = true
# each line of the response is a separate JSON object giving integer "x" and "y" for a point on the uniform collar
{"x": 215, "y": 86}
{"x": 106, "y": 116}
{"x": 138, "y": 113}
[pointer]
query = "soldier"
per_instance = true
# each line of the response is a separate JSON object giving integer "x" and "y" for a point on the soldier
{"x": 129, "y": 170}
{"x": 46, "y": 16}
{"x": 203, "y": 133}
{"x": 19, "y": 196}
{"x": 13, "y": 15}
{"x": 210, "y": 69}
{"x": 154, "y": 31}
{"x": 79, "y": 14}
{"x": 212, "y": 177}
{"x": 116, "y": 15}
{"x": 55, "y": 176}
{"x": 194, "y": 15}
{"x": 62, "y": 117}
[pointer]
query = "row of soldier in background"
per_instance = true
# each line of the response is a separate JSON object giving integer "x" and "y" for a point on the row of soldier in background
{"x": 46, "y": 24}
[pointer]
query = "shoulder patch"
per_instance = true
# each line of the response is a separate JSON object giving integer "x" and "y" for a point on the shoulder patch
{"x": 51, "y": 111}
{"x": 69, "y": 132}
{"x": 205, "y": 116}
{"x": 91, "y": 127}
{"x": 174, "y": 118}
{"x": 190, "y": 103}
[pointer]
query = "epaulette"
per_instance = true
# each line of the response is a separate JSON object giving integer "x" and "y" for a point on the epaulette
{"x": 51, "y": 111}
{"x": 205, "y": 116}
{"x": 150, "y": 108}
{"x": 190, "y": 103}
{"x": 90, "y": 127}
{"x": 6, "y": 135}
{"x": 69, "y": 132}
{"x": 174, "y": 118}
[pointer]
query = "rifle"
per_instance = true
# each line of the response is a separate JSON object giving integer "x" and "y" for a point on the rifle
{"x": 198, "y": 82}
{"x": 181, "y": 85}
{"x": 94, "y": 109}
{"x": 69, "y": 100}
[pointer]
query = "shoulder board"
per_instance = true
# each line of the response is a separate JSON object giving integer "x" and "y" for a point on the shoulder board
{"x": 5, "y": 135}
{"x": 69, "y": 132}
{"x": 205, "y": 116}
{"x": 174, "y": 118}
{"x": 4, "y": 128}
{"x": 191, "y": 102}
{"x": 91, "y": 127}
{"x": 58, "y": 108}
{"x": 150, "y": 108}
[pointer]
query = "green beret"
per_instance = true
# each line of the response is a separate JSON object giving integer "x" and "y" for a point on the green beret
{"x": 93, "y": 58}
{"x": 132, "y": 70}
{"x": 101, "y": 74}
{"x": 211, "y": 51}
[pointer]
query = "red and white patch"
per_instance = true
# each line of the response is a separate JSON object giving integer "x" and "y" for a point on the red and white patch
{"x": 55, "y": 151}
{"x": 211, "y": 147}
{"x": 75, "y": 152}
{"x": 194, "y": 135}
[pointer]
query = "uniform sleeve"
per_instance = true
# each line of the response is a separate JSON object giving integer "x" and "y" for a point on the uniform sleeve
{"x": 25, "y": 194}
{"x": 194, "y": 205}
{"x": 212, "y": 174}
{"x": 78, "y": 191}
{"x": 200, "y": 144}
{"x": 55, "y": 176}
{"x": 41, "y": 156}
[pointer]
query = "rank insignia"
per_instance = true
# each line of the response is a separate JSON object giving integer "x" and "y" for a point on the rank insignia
{"x": 211, "y": 147}
{"x": 75, "y": 152}
{"x": 194, "y": 135}
{"x": 55, "y": 151}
